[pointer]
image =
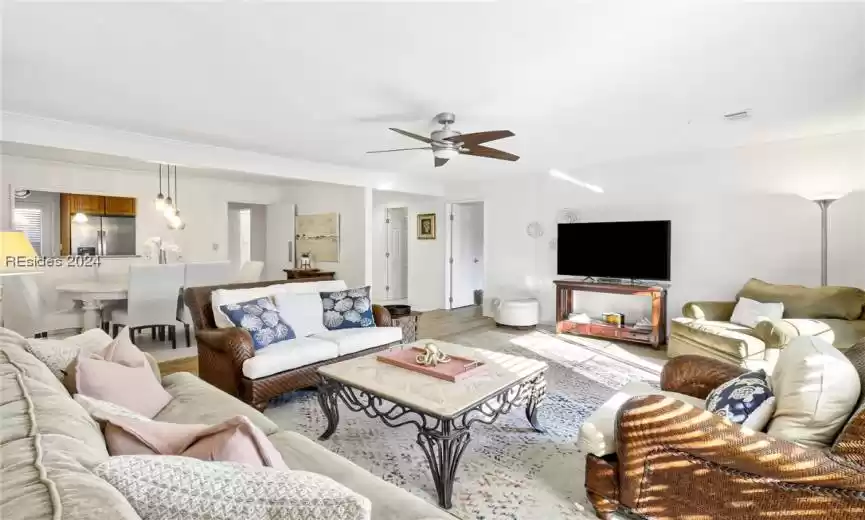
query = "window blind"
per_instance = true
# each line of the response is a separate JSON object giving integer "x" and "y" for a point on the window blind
{"x": 29, "y": 220}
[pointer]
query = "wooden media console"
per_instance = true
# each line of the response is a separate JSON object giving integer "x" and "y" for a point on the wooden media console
{"x": 654, "y": 336}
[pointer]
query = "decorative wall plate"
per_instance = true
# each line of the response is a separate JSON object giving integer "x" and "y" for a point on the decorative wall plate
{"x": 567, "y": 216}
{"x": 535, "y": 230}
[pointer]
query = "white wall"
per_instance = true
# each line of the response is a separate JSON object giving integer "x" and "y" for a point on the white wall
{"x": 349, "y": 202}
{"x": 203, "y": 201}
{"x": 733, "y": 217}
{"x": 718, "y": 242}
{"x": 426, "y": 258}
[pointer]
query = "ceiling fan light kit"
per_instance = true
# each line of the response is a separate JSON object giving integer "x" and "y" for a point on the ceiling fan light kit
{"x": 446, "y": 153}
{"x": 447, "y": 143}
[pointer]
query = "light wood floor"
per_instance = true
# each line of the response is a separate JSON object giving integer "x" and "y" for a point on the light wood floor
{"x": 439, "y": 324}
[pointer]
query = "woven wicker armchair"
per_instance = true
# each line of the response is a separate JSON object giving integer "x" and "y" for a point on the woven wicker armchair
{"x": 221, "y": 352}
{"x": 676, "y": 461}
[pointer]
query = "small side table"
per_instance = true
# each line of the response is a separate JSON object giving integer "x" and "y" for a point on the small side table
{"x": 294, "y": 274}
{"x": 408, "y": 323}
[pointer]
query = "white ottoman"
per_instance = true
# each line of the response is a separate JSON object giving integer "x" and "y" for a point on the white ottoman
{"x": 516, "y": 313}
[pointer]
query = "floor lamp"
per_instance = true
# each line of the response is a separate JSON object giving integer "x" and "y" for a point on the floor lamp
{"x": 824, "y": 201}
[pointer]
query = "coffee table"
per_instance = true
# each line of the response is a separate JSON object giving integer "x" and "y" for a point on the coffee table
{"x": 442, "y": 411}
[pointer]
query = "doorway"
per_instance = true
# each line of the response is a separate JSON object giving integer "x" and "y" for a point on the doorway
{"x": 466, "y": 260}
{"x": 247, "y": 233}
{"x": 396, "y": 254}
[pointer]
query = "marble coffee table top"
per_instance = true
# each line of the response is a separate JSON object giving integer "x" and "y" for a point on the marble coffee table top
{"x": 427, "y": 394}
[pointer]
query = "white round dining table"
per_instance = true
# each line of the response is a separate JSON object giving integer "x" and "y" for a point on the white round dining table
{"x": 92, "y": 296}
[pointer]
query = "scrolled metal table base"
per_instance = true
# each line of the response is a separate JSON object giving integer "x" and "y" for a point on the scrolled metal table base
{"x": 443, "y": 440}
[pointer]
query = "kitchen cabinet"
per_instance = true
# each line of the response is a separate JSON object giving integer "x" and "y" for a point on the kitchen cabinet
{"x": 90, "y": 204}
{"x": 120, "y": 206}
{"x": 93, "y": 205}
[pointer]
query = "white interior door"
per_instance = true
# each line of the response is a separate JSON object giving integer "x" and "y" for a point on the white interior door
{"x": 466, "y": 252}
{"x": 476, "y": 230}
{"x": 279, "y": 253}
{"x": 396, "y": 254}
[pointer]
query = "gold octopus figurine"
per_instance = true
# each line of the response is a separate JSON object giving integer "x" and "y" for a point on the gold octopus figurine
{"x": 432, "y": 356}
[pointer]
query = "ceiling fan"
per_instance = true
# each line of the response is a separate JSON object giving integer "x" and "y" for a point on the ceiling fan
{"x": 447, "y": 143}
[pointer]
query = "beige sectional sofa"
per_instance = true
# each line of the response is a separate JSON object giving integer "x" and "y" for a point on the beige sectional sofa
{"x": 49, "y": 444}
{"x": 835, "y": 314}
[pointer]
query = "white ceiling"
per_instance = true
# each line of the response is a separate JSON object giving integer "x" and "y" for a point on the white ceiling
{"x": 578, "y": 82}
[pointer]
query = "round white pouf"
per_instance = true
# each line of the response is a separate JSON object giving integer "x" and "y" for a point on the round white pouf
{"x": 516, "y": 313}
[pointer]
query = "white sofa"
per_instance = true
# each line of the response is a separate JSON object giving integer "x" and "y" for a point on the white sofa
{"x": 226, "y": 361}
{"x": 314, "y": 343}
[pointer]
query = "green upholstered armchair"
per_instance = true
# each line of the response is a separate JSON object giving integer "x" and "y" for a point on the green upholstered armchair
{"x": 832, "y": 313}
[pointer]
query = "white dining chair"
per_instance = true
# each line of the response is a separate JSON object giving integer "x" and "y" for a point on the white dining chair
{"x": 115, "y": 270}
{"x": 27, "y": 313}
{"x": 151, "y": 300}
{"x": 250, "y": 271}
{"x": 201, "y": 274}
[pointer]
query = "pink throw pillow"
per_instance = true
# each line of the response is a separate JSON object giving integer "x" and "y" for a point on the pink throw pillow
{"x": 234, "y": 440}
{"x": 120, "y": 374}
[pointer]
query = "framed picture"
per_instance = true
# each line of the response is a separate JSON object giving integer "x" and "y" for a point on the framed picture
{"x": 318, "y": 236}
{"x": 426, "y": 226}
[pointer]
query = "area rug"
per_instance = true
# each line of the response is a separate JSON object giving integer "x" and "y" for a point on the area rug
{"x": 508, "y": 471}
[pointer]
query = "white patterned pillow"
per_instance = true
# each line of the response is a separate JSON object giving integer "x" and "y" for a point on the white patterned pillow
{"x": 57, "y": 354}
{"x": 161, "y": 487}
{"x": 349, "y": 309}
{"x": 261, "y": 319}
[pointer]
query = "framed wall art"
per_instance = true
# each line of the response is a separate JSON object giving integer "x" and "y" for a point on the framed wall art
{"x": 426, "y": 226}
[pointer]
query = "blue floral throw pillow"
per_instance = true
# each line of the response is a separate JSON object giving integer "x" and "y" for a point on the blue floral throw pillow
{"x": 747, "y": 400}
{"x": 349, "y": 309}
{"x": 260, "y": 318}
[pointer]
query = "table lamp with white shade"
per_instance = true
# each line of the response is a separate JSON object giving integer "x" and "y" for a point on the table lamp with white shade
{"x": 15, "y": 254}
{"x": 15, "y": 245}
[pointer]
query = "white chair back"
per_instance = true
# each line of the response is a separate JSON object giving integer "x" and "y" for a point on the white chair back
{"x": 152, "y": 295}
{"x": 250, "y": 271}
{"x": 199, "y": 274}
{"x": 116, "y": 269}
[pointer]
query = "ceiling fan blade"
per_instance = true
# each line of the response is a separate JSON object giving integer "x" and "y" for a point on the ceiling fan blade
{"x": 440, "y": 162}
{"x": 400, "y": 149}
{"x": 413, "y": 136}
{"x": 492, "y": 153}
{"x": 480, "y": 137}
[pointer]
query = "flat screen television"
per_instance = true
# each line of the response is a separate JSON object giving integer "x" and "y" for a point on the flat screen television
{"x": 633, "y": 250}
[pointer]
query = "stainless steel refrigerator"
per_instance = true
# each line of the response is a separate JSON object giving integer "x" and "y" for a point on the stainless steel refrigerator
{"x": 104, "y": 236}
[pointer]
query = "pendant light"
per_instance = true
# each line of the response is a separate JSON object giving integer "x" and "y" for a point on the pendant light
{"x": 169, "y": 204}
{"x": 181, "y": 225}
{"x": 174, "y": 221}
{"x": 159, "y": 203}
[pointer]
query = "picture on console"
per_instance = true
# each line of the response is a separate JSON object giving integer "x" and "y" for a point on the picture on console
{"x": 637, "y": 250}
